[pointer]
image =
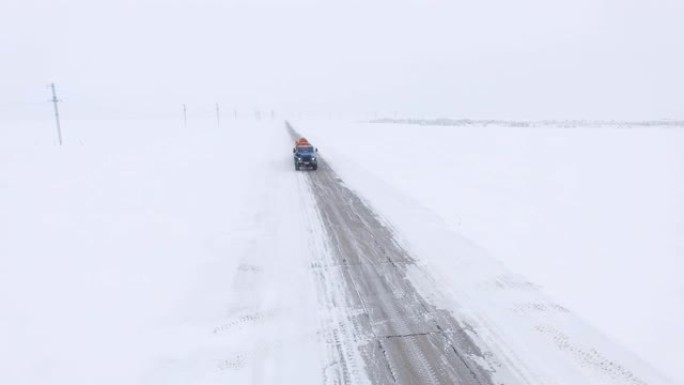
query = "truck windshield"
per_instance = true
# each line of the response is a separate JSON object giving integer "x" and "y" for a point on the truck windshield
{"x": 305, "y": 149}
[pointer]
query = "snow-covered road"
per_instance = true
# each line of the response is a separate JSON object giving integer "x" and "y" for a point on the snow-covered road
{"x": 403, "y": 339}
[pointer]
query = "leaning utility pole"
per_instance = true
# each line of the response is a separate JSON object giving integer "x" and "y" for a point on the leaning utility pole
{"x": 54, "y": 102}
{"x": 218, "y": 116}
{"x": 185, "y": 116}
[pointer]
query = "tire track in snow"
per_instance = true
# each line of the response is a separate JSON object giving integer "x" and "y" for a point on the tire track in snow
{"x": 403, "y": 339}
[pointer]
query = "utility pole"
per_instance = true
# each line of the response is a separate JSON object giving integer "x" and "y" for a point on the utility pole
{"x": 54, "y": 102}
{"x": 218, "y": 116}
{"x": 185, "y": 116}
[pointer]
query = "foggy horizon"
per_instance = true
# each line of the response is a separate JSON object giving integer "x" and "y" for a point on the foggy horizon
{"x": 530, "y": 60}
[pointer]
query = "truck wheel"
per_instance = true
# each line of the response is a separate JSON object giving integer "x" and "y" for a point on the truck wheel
{"x": 296, "y": 166}
{"x": 315, "y": 167}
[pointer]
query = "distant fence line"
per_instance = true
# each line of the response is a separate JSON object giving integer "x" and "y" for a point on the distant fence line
{"x": 535, "y": 123}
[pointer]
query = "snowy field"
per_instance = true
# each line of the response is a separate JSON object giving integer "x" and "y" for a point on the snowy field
{"x": 595, "y": 216}
{"x": 145, "y": 253}
{"x": 148, "y": 253}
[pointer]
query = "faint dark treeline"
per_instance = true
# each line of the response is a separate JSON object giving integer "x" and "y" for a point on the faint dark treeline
{"x": 533, "y": 123}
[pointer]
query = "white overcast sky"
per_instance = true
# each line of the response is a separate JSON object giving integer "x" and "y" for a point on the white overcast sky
{"x": 524, "y": 59}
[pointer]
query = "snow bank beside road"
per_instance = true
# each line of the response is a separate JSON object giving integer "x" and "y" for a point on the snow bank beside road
{"x": 594, "y": 215}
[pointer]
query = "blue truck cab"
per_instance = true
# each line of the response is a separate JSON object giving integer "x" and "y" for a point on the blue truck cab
{"x": 305, "y": 156}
